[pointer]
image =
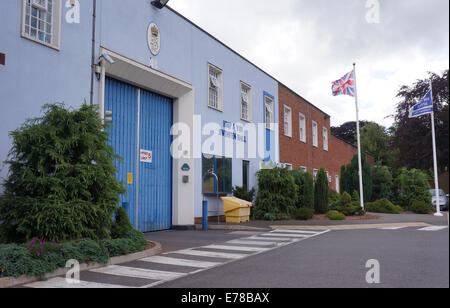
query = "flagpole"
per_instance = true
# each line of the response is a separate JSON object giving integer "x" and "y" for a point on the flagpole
{"x": 361, "y": 187}
{"x": 436, "y": 176}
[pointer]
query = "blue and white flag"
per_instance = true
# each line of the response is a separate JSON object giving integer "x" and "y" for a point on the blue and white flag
{"x": 425, "y": 106}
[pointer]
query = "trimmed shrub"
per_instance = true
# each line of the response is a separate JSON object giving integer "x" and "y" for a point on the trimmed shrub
{"x": 383, "y": 206}
{"x": 321, "y": 192}
{"x": 62, "y": 183}
{"x": 411, "y": 185}
{"x": 39, "y": 257}
{"x": 334, "y": 199}
{"x": 244, "y": 194}
{"x": 382, "y": 183}
{"x": 421, "y": 207}
{"x": 303, "y": 213}
{"x": 336, "y": 216}
{"x": 122, "y": 224}
{"x": 305, "y": 183}
{"x": 277, "y": 193}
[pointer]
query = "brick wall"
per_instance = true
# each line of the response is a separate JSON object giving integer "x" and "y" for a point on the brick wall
{"x": 300, "y": 154}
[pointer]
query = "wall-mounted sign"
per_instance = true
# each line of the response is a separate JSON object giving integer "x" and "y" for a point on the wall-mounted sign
{"x": 154, "y": 38}
{"x": 130, "y": 178}
{"x": 2, "y": 58}
{"x": 185, "y": 167}
{"x": 146, "y": 156}
{"x": 234, "y": 131}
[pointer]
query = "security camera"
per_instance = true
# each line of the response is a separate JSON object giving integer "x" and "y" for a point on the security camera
{"x": 107, "y": 57}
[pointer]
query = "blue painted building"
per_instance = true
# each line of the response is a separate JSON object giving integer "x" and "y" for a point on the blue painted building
{"x": 169, "y": 90}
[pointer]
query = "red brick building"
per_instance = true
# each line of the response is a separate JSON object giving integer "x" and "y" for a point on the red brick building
{"x": 306, "y": 141}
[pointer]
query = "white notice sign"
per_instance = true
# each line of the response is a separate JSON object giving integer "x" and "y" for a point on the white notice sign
{"x": 146, "y": 156}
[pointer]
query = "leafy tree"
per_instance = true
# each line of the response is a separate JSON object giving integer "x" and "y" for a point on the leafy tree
{"x": 375, "y": 140}
{"x": 413, "y": 137}
{"x": 305, "y": 183}
{"x": 62, "y": 183}
{"x": 347, "y": 131}
{"x": 321, "y": 192}
{"x": 350, "y": 177}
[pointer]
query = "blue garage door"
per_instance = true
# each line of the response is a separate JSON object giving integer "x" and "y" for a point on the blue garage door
{"x": 140, "y": 134}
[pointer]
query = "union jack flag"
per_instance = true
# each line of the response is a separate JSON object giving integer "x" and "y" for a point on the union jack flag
{"x": 345, "y": 85}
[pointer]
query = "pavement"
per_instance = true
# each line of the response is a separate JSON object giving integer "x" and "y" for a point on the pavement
{"x": 412, "y": 250}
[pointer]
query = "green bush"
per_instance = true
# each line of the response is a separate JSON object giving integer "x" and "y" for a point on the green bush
{"x": 244, "y": 194}
{"x": 303, "y": 213}
{"x": 62, "y": 183}
{"x": 350, "y": 177}
{"x": 305, "y": 183}
{"x": 382, "y": 183}
{"x": 411, "y": 185}
{"x": 350, "y": 207}
{"x": 336, "y": 216}
{"x": 122, "y": 224}
{"x": 277, "y": 193}
{"x": 421, "y": 207}
{"x": 321, "y": 192}
{"x": 334, "y": 199}
{"x": 33, "y": 260}
{"x": 383, "y": 206}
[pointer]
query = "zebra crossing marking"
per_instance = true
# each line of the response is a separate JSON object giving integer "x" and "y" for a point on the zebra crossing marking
{"x": 433, "y": 228}
{"x": 134, "y": 272}
{"x": 275, "y": 239}
{"x": 180, "y": 262}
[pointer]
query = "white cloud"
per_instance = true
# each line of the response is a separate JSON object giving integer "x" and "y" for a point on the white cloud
{"x": 308, "y": 44}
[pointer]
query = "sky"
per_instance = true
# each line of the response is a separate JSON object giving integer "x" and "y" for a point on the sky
{"x": 307, "y": 44}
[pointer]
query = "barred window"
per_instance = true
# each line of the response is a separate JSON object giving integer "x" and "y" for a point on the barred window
{"x": 268, "y": 112}
{"x": 246, "y": 102}
{"x": 41, "y": 21}
{"x": 215, "y": 85}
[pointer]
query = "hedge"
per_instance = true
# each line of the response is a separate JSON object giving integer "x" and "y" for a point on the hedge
{"x": 383, "y": 206}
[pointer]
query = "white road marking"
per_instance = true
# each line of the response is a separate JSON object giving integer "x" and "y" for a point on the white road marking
{"x": 249, "y": 242}
{"x": 285, "y": 235}
{"x": 236, "y": 248}
{"x": 393, "y": 228}
{"x": 261, "y": 238}
{"x": 295, "y": 231}
{"x": 137, "y": 272}
{"x": 60, "y": 283}
{"x": 245, "y": 232}
{"x": 180, "y": 262}
{"x": 434, "y": 228}
{"x": 210, "y": 254}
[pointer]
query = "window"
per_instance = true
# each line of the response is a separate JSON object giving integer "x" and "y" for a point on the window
{"x": 268, "y": 103}
{"x": 245, "y": 174}
{"x": 214, "y": 87}
{"x": 287, "y": 121}
{"x": 246, "y": 102}
{"x": 288, "y": 166}
{"x": 303, "y": 168}
{"x": 315, "y": 172}
{"x": 337, "y": 184}
{"x": 315, "y": 134}
{"x": 325, "y": 139}
{"x": 41, "y": 21}
{"x": 222, "y": 168}
{"x": 302, "y": 120}
{"x": 329, "y": 177}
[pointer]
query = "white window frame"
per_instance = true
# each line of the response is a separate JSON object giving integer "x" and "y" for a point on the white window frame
{"x": 214, "y": 70}
{"x": 55, "y": 42}
{"x": 287, "y": 121}
{"x": 315, "y": 134}
{"x": 315, "y": 173}
{"x": 304, "y": 168}
{"x": 302, "y": 127}
{"x": 336, "y": 178}
{"x": 269, "y": 118}
{"x": 245, "y": 87}
{"x": 288, "y": 166}
{"x": 325, "y": 138}
{"x": 330, "y": 179}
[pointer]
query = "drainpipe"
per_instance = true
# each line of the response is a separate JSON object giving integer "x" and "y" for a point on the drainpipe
{"x": 94, "y": 15}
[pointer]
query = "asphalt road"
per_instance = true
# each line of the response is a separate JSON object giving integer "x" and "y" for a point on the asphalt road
{"x": 407, "y": 257}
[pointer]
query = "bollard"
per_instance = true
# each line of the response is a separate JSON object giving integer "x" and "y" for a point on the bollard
{"x": 205, "y": 215}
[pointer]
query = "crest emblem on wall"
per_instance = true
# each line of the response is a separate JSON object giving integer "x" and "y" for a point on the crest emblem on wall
{"x": 154, "y": 38}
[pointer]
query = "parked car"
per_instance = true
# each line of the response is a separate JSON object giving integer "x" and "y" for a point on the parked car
{"x": 443, "y": 199}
